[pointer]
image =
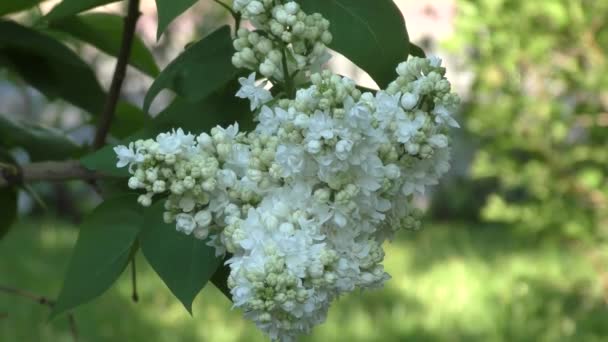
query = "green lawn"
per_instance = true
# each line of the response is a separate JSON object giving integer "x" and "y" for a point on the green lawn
{"x": 450, "y": 283}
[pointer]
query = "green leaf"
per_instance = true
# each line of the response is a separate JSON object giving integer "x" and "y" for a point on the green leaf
{"x": 12, "y": 6}
{"x": 104, "y": 31}
{"x": 168, "y": 10}
{"x": 42, "y": 143}
{"x": 128, "y": 120}
{"x": 56, "y": 71}
{"x": 220, "y": 279}
{"x": 202, "y": 68}
{"x": 8, "y": 203}
{"x": 68, "y": 8}
{"x": 101, "y": 252}
{"x": 371, "y": 34}
{"x": 219, "y": 108}
{"x": 49, "y": 66}
{"x": 417, "y": 51}
{"x": 183, "y": 262}
{"x": 104, "y": 160}
{"x": 8, "y": 199}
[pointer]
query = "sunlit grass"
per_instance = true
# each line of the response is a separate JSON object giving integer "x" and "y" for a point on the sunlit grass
{"x": 450, "y": 283}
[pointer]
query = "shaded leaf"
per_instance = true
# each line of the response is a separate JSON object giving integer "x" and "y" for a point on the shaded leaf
{"x": 104, "y": 31}
{"x": 8, "y": 200}
{"x": 68, "y": 8}
{"x": 104, "y": 160}
{"x": 58, "y": 72}
{"x": 12, "y": 6}
{"x": 128, "y": 120}
{"x": 101, "y": 252}
{"x": 371, "y": 34}
{"x": 49, "y": 66}
{"x": 417, "y": 51}
{"x": 202, "y": 68}
{"x": 220, "y": 279}
{"x": 42, "y": 143}
{"x": 168, "y": 10}
{"x": 219, "y": 108}
{"x": 184, "y": 263}
{"x": 8, "y": 203}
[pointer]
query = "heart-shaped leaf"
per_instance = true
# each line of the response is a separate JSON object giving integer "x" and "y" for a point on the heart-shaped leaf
{"x": 371, "y": 34}
{"x": 183, "y": 262}
{"x": 168, "y": 10}
{"x": 201, "y": 69}
{"x": 102, "y": 251}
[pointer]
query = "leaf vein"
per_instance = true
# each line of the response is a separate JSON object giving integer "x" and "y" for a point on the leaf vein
{"x": 366, "y": 24}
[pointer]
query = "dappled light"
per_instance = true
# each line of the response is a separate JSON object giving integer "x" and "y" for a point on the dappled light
{"x": 540, "y": 292}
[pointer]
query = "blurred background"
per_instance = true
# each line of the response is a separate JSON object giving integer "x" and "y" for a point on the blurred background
{"x": 514, "y": 245}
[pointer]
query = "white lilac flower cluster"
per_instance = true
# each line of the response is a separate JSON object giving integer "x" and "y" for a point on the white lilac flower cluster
{"x": 286, "y": 39}
{"x": 303, "y": 204}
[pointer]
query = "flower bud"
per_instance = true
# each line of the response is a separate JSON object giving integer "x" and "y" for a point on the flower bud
{"x": 201, "y": 233}
{"x": 145, "y": 200}
{"x": 133, "y": 183}
{"x": 255, "y": 8}
{"x": 267, "y": 68}
{"x": 314, "y": 146}
{"x": 185, "y": 223}
{"x": 203, "y": 218}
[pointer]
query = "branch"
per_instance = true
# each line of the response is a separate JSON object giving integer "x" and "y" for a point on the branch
{"x": 52, "y": 171}
{"x": 43, "y": 301}
{"x": 235, "y": 15}
{"x": 105, "y": 121}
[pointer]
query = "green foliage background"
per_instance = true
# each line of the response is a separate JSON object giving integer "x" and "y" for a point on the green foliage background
{"x": 450, "y": 282}
{"x": 538, "y": 113}
{"x": 514, "y": 247}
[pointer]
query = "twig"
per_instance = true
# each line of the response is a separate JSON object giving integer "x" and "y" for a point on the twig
{"x": 73, "y": 327}
{"x": 46, "y": 171}
{"x": 235, "y": 15}
{"x": 228, "y": 8}
{"x": 134, "y": 295}
{"x": 43, "y": 301}
{"x": 36, "y": 197}
{"x": 128, "y": 33}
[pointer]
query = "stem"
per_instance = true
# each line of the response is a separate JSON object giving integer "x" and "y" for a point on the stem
{"x": 228, "y": 8}
{"x": 46, "y": 171}
{"x": 43, "y": 301}
{"x": 134, "y": 296}
{"x": 37, "y": 199}
{"x": 237, "y": 23}
{"x": 109, "y": 109}
{"x": 235, "y": 15}
{"x": 289, "y": 87}
{"x": 26, "y": 294}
